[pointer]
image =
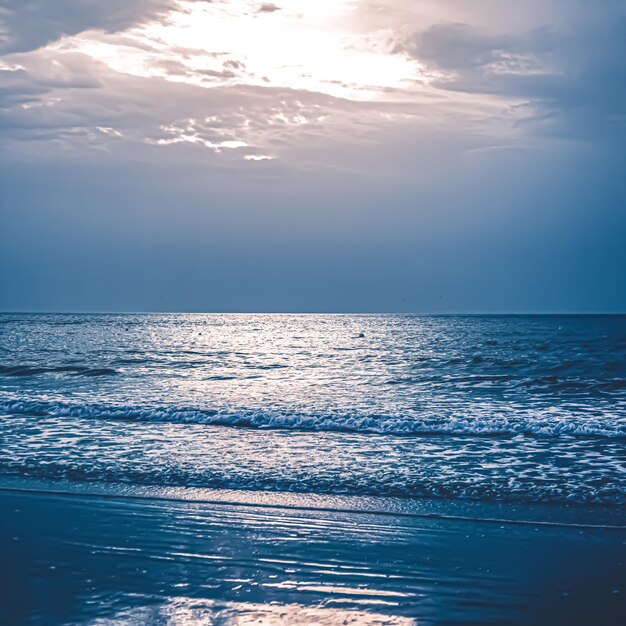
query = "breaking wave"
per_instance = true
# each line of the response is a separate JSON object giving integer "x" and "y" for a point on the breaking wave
{"x": 476, "y": 422}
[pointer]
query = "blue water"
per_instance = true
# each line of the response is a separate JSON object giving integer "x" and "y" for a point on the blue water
{"x": 490, "y": 408}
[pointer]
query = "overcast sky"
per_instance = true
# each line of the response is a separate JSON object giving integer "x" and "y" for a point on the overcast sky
{"x": 335, "y": 155}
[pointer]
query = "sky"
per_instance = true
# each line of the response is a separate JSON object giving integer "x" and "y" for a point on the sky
{"x": 332, "y": 156}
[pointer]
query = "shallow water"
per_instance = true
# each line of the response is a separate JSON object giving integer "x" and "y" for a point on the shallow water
{"x": 487, "y": 408}
{"x": 88, "y": 559}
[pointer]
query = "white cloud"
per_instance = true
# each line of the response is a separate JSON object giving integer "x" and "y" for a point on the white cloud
{"x": 299, "y": 80}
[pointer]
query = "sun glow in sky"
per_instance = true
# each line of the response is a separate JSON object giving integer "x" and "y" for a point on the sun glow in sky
{"x": 301, "y": 45}
{"x": 313, "y": 47}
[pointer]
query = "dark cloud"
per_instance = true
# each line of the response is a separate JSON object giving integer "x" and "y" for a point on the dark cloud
{"x": 268, "y": 7}
{"x": 30, "y": 24}
{"x": 572, "y": 83}
{"x": 461, "y": 47}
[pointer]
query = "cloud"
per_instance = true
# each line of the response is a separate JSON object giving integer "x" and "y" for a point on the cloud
{"x": 144, "y": 89}
{"x": 268, "y": 7}
{"x": 570, "y": 82}
{"x": 29, "y": 24}
{"x": 460, "y": 47}
{"x": 53, "y": 101}
{"x": 491, "y": 82}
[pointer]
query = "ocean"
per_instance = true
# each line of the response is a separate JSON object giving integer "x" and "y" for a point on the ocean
{"x": 172, "y": 469}
{"x": 488, "y": 408}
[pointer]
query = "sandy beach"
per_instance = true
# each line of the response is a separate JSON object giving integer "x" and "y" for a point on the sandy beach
{"x": 72, "y": 558}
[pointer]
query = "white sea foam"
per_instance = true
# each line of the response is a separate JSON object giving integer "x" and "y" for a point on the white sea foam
{"x": 549, "y": 423}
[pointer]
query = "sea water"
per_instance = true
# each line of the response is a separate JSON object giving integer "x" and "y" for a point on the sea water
{"x": 500, "y": 409}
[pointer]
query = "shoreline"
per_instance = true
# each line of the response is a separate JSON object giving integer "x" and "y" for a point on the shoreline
{"x": 598, "y": 516}
{"x": 78, "y": 558}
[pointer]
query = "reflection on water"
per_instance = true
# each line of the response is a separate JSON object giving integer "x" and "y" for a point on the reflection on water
{"x": 523, "y": 409}
{"x": 188, "y": 611}
{"x": 545, "y": 375}
{"x": 71, "y": 559}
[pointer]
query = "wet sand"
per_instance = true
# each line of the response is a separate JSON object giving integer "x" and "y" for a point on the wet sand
{"x": 96, "y": 559}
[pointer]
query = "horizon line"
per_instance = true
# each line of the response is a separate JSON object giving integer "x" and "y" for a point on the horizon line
{"x": 417, "y": 313}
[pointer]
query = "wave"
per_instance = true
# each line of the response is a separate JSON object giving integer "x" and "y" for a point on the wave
{"x": 478, "y": 422}
{"x": 71, "y": 370}
{"x": 539, "y": 384}
{"x": 562, "y": 492}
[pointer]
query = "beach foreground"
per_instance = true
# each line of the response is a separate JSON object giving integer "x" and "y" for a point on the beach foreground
{"x": 100, "y": 559}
